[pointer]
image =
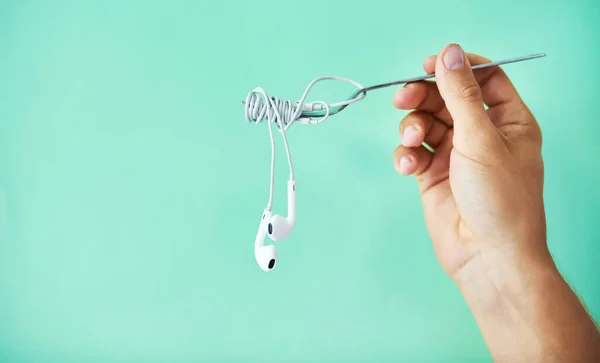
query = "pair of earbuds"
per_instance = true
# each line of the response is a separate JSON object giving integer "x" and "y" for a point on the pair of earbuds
{"x": 277, "y": 228}
{"x": 259, "y": 106}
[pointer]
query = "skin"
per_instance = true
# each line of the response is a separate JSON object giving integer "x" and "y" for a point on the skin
{"x": 482, "y": 193}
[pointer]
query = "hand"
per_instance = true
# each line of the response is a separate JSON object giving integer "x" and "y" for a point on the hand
{"x": 482, "y": 195}
{"x": 482, "y": 187}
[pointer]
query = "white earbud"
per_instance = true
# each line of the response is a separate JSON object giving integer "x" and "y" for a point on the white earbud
{"x": 280, "y": 227}
{"x": 276, "y": 226}
{"x": 266, "y": 256}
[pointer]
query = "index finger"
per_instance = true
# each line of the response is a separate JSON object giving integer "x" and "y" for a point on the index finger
{"x": 496, "y": 87}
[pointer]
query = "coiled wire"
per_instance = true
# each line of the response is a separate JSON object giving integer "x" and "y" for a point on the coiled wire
{"x": 257, "y": 110}
{"x": 259, "y": 106}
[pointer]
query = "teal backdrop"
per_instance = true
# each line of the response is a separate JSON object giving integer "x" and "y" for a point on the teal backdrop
{"x": 131, "y": 184}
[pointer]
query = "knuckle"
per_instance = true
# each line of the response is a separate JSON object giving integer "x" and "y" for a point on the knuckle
{"x": 469, "y": 92}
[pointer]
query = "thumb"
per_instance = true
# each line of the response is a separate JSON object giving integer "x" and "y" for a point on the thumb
{"x": 474, "y": 133}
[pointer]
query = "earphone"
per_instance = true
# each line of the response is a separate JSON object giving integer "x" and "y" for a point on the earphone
{"x": 277, "y": 228}
{"x": 259, "y": 106}
{"x": 265, "y": 256}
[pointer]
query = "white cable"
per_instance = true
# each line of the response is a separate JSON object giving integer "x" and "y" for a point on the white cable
{"x": 259, "y": 106}
{"x": 289, "y": 112}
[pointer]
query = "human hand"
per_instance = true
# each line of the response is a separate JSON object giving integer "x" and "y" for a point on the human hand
{"x": 482, "y": 196}
{"x": 482, "y": 187}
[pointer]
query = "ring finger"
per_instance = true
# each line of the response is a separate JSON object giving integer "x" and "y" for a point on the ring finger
{"x": 418, "y": 127}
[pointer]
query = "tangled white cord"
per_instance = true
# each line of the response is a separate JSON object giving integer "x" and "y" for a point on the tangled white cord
{"x": 259, "y": 106}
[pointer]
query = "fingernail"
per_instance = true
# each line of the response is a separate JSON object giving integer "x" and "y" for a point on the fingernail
{"x": 454, "y": 58}
{"x": 404, "y": 163}
{"x": 409, "y": 131}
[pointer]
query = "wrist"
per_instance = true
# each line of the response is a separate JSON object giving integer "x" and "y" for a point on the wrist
{"x": 505, "y": 272}
{"x": 506, "y": 283}
{"x": 525, "y": 308}
{"x": 502, "y": 288}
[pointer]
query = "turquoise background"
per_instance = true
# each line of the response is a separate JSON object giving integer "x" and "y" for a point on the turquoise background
{"x": 131, "y": 184}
